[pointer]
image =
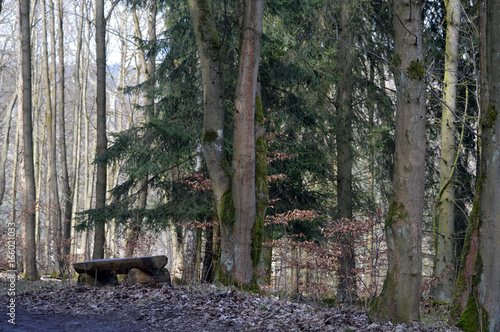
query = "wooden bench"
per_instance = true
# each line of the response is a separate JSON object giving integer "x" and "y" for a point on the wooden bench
{"x": 143, "y": 270}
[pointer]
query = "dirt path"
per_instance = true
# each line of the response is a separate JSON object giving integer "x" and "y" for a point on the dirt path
{"x": 29, "y": 322}
{"x": 120, "y": 319}
{"x": 212, "y": 308}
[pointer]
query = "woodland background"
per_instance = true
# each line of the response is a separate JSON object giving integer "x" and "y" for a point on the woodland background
{"x": 328, "y": 96}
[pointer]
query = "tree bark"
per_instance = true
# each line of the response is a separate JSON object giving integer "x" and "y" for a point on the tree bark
{"x": 148, "y": 71}
{"x": 261, "y": 184}
{"x": 400, "y": 298}
{"x": 207, "y": 274}
{"x": 243, "y": 164}
{"x": 189, "y": 257}
{"x": 89, "y": 168}
{"x": 235, "y": 194}
{"x": 213, "y": 146}
{"x": 29, "y": 243}
{"x": 51, "y": 95}
{"x": 445, "y": 222}
{"x": 346, "y": 288}
{"x": 477, "y": 295}
{"x": 101, "y": 143}
{"x": 5, "y": 149}
{"x": 67, "y": 192}
{"x": 213, "y": 98}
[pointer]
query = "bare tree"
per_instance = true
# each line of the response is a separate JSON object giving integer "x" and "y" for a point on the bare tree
{"x": 29, "y": 189}
{"x": 66, "y": 194}
{"x": 100, "y": 39}
{"x": 5, "y": 149}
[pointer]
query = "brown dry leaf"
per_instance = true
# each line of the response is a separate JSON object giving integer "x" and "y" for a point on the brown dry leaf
{"x": 179, "y": 308}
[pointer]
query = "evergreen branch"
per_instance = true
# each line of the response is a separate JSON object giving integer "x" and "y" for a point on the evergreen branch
{"x": 343, "y": 41}
{"x": 347, "y": 43}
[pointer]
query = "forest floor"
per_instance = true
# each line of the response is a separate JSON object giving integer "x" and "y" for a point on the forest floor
{"x": 56, "y": 306}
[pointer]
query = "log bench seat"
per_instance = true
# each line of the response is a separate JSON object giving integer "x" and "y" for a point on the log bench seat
{"x": 142, "y": 270}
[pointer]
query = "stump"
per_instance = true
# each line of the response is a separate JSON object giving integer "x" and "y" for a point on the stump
{"x": 101, "y": 272}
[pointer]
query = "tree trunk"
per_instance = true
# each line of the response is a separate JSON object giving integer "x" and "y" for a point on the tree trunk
{"x": 101, "y": 143}
{"x": 261, "y": 185}
{"x": 478, "y": 280}
{"x": 77, "y": 125}
{"x": 208, "y": 259}
{"x": 190, "y": 250}
{"x": 50, "y": 101}
{"x": 148, "y": 71}
{"x": 89, "y": 168}
{"x": 400, "y": 298}
{"x": 235, "y": 196}
{"x": 346, "y": 288}
{"x": 67, "y": 193}
{"x": 213, "y": 99}
{"x": 213, "y": 123}
{"x": 243, "y": 164}
{"x": 445, "y": 222}
{"x": 29, "y": 244}
{"x": 5, "y": 149}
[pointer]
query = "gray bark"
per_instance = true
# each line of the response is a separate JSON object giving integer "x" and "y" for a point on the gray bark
{"x": 346, "y": 288}
{"x": 101, "y": 143}
{"x": 477, "y": 296}
{"x": 67, "y": 193}
{"x": 189, "y": 258}
{"x": 243, "y": 165}
{"x": 29, "y": 189}
{"x": 235, "y": 195}
{"x": 400, "y": 298}
{"x": 5, "y": 148}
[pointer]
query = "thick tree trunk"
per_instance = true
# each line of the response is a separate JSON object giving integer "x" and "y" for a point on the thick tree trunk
{"x": 213, "y": 99}
{"x": 213, "y": 124}
{"x": 400, "y": 298}
{"x": 346, "y": 288}
{"x": 243, "y": 164}
{"x": 477, "y": 295}
{"x": 101, "y": 144}
{"x": 29, "y": 243}
{"x": 235, "y": 197}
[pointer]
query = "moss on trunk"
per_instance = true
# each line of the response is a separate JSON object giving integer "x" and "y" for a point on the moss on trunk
{"x": 226, "y": 210}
